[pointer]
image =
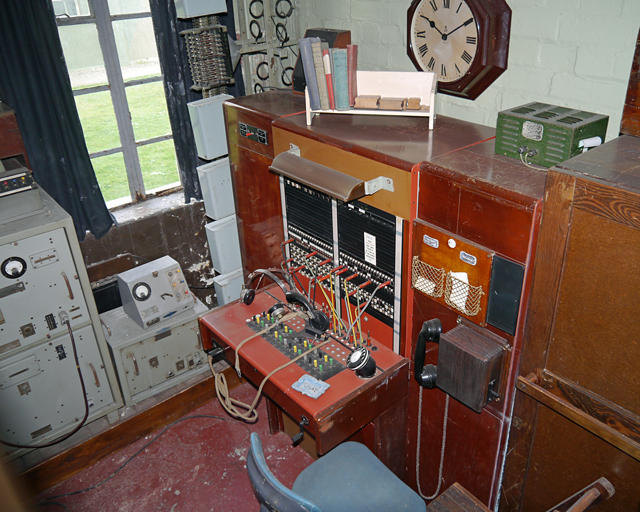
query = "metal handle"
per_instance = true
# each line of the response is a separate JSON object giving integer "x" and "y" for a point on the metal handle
{"x": 66, "y": 280}
{"x": 135, "y": 364}
{"x": 95, "y": 374}
{"x": 106, "y": 327}
{"x": 304, "y": 422}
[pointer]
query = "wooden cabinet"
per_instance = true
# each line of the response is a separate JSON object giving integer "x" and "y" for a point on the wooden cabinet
{"x": 11, "y": 144}
{"x": 450, "y": 186}
{"x": 577, "y": 411}
{"x": 480, "y": 212}
{"x": 257, "y": 191}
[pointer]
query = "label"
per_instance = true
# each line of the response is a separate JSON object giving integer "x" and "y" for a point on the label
{"x": 370, "y": 248}
{"x": 468, "y": 258}
{"x": 532, "y": 131}
{"x": 431, "y": 242}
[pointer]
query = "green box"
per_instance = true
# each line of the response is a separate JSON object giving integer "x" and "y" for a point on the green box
{"x": 553, "y": 133}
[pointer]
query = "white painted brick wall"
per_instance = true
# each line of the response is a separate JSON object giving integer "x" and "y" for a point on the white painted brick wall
{"x": 574, "y": 53}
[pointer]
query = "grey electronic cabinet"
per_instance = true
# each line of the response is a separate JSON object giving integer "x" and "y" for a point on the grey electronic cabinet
{"x": 42, "y": 276}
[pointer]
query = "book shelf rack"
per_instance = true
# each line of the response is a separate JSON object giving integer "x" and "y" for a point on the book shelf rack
{"x": 395, "y": 84}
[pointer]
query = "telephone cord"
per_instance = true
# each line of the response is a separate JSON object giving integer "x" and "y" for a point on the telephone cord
{"x": 444, "y": 442}
{"x": 229, "y": 404}
{"x": 233, "y": 406}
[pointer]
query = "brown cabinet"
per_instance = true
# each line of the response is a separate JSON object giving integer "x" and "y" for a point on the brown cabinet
{"x": 11, "y": 144}
{"x": 257, "y": 191}
{"x": 448, "y": 185}
{"x": 577, "y": 411}
{"x": 477, "y": 214}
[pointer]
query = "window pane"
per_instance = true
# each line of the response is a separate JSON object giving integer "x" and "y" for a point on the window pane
{"x": 128, "y": 6}
{"x": 148, "y": 109}
{"x": 158, "y": 164}
{"x": 71, "y": 7}
{"x": 136, "y": 48}
{"x": 83, "y": 55}
{"x": 98, "y": 121}
{"x": 112, "y": 176}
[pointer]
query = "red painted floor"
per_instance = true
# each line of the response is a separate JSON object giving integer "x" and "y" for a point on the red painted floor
{"x": 199, "y": 464}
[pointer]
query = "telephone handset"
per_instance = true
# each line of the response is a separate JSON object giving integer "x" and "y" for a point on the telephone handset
{"x": 426, "y": 375}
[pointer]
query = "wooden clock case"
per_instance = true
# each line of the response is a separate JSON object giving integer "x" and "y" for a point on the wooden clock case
{"x": 494, "y": 27}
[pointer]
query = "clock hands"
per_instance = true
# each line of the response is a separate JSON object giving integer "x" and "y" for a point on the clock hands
{"x": 433, "y": 25}
{"x": 468, "y": 22}
{"x": 445, "y": 36}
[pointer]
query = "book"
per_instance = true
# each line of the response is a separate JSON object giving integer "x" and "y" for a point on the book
{"x": 352, "y": 68}
{"x": 340, "y": 78}
{"x": 321, "y": 79}
{"x": 326, "y": 60}
{"x": 309, "y": 73}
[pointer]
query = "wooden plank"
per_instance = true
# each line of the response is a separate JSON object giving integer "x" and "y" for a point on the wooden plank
{"x": 547, "y": 272}
{"x": 595, "y": 406}
{"x": 593, "y": 425}
{"x": 75, "y": 459}
{"x": 610, "y": 203}
{"x": 456, "y": 499}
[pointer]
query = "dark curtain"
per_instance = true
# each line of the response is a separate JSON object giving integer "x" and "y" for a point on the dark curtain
{"x": 174, "y": 63}
{"x": 35, "y": 83}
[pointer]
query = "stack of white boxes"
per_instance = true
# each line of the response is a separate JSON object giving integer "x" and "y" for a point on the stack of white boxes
{"x": 207, "y": 119}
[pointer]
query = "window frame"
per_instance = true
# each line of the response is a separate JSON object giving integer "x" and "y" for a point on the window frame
{"x": 101, "y": 17}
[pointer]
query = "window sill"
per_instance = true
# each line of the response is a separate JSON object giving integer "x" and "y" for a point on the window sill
{"x": 151, "y": 206}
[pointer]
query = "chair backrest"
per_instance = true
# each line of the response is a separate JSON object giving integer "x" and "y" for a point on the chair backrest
{"x": 272, "y": 495}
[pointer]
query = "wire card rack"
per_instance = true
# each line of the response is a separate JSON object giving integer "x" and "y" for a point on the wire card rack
{"x": 267, "y": 37}
{"x": 438, "y": 283}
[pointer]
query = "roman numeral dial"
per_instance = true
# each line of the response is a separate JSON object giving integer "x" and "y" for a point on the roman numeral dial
{"x": 444, "y": 38}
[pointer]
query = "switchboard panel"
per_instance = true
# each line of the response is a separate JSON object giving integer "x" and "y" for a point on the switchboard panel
{"x": 361, "y": 243}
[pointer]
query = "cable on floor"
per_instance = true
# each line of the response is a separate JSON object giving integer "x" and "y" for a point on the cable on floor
{"x": 167, "y": 428}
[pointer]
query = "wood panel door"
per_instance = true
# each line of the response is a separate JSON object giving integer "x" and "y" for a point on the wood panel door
{"x": 577, "y": 415}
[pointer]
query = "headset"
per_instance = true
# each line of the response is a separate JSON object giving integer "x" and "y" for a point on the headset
{"x": 317, "y": 319}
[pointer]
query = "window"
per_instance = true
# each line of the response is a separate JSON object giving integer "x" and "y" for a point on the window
{"x": 110, "y": 51}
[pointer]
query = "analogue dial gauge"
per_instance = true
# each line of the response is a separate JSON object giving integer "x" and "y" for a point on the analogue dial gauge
{"x": 141, "y": 291}
{"x": 13, "y": 268}
{"x": 444, "y": 38}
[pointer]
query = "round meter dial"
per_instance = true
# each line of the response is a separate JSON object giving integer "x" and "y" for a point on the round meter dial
{"x": 141, "y": 291}
{"x": 13, "y": 268}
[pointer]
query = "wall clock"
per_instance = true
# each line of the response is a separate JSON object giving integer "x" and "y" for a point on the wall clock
{"x": 466, "y": 42}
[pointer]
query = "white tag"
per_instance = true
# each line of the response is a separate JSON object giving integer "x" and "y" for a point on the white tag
{"x": 431, "y": 242}
{"x": 370, "y": 248}
{"x": 468, "y": 258}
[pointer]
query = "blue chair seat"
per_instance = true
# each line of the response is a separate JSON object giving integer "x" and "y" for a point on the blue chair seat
{"x": 348, "y": 479}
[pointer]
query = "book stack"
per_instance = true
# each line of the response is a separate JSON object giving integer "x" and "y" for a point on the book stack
{"x": 330, "y": 74}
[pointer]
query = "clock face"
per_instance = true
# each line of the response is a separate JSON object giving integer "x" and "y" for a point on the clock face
{"x": 444, "y": 38}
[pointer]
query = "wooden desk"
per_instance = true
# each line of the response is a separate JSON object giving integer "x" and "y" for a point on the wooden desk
{"x": 349, "y": 404}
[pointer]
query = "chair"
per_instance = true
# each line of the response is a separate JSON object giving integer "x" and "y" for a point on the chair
{"x": 348, "y": 479}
